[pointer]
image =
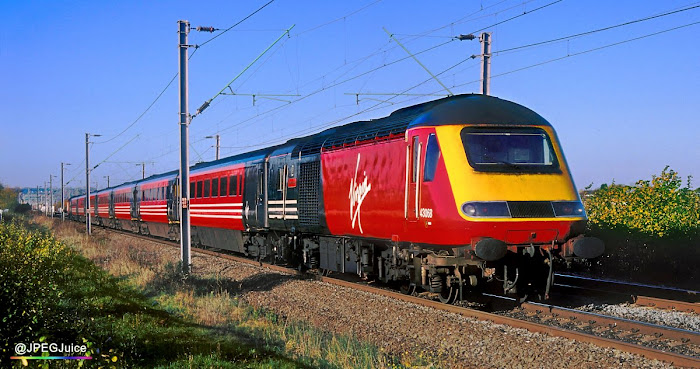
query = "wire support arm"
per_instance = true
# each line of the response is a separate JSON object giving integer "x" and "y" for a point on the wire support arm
{"x": 417, "y": 61}
{"x": 208, "y": 102}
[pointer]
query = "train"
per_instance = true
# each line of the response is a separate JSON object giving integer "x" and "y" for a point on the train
{"x": 460, "y": 195}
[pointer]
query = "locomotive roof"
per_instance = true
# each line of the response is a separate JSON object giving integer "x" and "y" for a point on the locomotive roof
{"x": 473, "y": 109}
{"x": 460, "y": 109}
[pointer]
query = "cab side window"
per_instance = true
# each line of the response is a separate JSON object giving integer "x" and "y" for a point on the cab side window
{"x": 432, "y": 155}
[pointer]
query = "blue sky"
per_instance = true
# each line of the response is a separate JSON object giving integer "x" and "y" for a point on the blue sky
{"x": 68, "y": 67}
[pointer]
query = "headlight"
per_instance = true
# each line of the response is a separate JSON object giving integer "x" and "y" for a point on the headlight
{"x": 486, "y": 209}
{"x": 568, "y": 208}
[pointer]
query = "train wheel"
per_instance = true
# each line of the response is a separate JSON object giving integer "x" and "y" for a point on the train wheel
{"x": 448, "y": 295}
{"x": 408, "y": 288}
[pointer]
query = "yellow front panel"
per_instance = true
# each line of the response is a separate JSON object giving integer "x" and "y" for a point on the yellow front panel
{"x": 470, "y": 185}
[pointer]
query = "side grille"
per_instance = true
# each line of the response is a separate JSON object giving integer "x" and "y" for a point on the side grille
{"x": 309, "y": 180}
{"x": 531, "y": 209}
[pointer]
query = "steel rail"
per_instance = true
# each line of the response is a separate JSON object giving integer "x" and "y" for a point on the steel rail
{"x": 647, "y": 352}
{"x": 613, "y": 287}
{"x": 606, "y": 321}
{"x": 688, "y": 307}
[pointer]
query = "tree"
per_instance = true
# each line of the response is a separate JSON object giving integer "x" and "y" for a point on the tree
{"x": 8, "y": 197}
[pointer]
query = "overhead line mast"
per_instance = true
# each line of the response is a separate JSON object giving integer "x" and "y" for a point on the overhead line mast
{"x": 185, "y": 242}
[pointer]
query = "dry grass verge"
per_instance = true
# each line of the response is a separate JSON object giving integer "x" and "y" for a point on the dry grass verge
{"x": 210, "y": 300}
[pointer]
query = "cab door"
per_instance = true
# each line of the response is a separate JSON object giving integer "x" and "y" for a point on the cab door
{"x": 422, "y": 155}
{"x": 414, "y": 154}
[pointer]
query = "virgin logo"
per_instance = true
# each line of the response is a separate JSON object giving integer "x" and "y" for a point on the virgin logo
{"x": 358, "y": 192}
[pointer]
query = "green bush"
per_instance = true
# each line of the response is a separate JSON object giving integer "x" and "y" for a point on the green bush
{"x": 660, "y": 207}
{"x": 651, "y": 230}
{"x": 50, "y": 293}
{"x": 30, "y": 265}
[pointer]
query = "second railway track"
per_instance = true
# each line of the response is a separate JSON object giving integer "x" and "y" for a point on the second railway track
{"x": 640, "y": 294}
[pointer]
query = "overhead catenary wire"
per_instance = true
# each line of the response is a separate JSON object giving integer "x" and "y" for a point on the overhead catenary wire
{"x": 337, "y": 19}
{"x": 309, "y": 30}
{"x": 361, "y": 60}
{"x": 585, "y": 52}
{"x": 317, "y": 127}
{"x": 206, "y": 103}
{"x": 597, "y": 30}
{"x": 176, "y": 74}
{"x": 466, "y": 18}
{"x": 114, "y": 152}
{"x": 236, "y": 24}
{"x": 517, "y": 16}
{"x": 144, "y": 112}
{"x": 388, "y": 64}
{"x": 336, "y": 121}
{"x": 238, "y": 124}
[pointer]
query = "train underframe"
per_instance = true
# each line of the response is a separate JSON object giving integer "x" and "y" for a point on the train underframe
{"x": 449, "y": 273}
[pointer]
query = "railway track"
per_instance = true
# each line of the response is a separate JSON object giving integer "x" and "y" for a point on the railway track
{"x": 639, "y": 294}
{"x": 675, "y": 346}
{"x": 656, "y": 336}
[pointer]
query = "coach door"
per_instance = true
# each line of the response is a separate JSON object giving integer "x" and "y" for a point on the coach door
{"x": 111, "y": 204}
{"x": 254, "y": 196}
{"x": 135, "y": 200}
{"x": 172, "y": 196}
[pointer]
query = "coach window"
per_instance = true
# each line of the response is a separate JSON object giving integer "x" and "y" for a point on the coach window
{"x": 280, "y": 182}
{"x": 224, "y": 186}
{"x": 207, "y": 187}
{"x": 199, "y": 189}
{"x": 215, "y": 187}
{"x": 432, "y": 155}
{"x": 232, "y": 186}
{"x": 192, "y": 189}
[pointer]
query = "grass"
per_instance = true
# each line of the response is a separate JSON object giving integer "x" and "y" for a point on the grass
{"x": 136, "y": 308}
{"x": 122, "y": 327}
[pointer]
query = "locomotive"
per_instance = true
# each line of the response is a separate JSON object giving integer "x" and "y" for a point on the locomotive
{"x": 463, "y": 194}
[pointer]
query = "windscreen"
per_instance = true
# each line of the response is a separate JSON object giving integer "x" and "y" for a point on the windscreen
{"x": 509, "y": 150}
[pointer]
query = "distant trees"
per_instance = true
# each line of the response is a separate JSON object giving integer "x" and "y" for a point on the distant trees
{"x": 8, "y": 197}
